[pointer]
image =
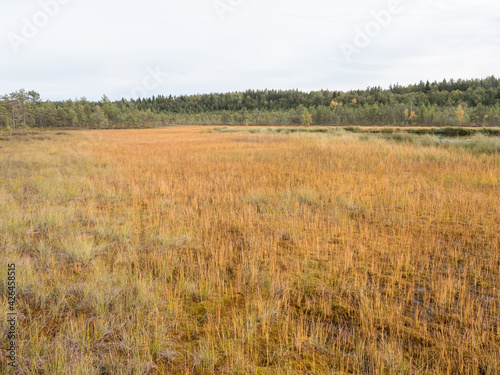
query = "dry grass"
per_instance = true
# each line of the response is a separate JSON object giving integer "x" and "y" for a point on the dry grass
{"x": 181, "y": 252}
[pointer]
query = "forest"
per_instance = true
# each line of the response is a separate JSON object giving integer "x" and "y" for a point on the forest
{"x": 472, "y": 102}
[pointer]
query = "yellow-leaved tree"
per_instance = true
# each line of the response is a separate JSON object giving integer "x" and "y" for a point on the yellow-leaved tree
{"x": 410, "y": 117}
{"x": 335, "y": 106}
{"x": 306, "y": 118}
{"x": 460, "y": 114}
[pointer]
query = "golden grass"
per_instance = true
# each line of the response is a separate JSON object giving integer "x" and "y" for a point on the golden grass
{"x": 181, "y": 252}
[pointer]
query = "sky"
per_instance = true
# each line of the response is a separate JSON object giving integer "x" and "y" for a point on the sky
{"x": 67, "y": 49}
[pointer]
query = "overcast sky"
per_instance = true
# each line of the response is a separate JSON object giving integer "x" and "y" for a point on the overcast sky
{"x": 127, "y": 48}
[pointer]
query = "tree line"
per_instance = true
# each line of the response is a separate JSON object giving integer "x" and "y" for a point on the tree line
{"x": 461, "y": 102}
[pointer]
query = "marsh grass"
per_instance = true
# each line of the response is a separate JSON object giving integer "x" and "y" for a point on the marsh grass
{"x": 482, "y": 144}
{"x": 180, "y": 252}
{"x": 483, "y": 140}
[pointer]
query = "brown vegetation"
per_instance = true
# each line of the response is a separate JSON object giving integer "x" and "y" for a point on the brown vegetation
{"x": 176, "y": 251}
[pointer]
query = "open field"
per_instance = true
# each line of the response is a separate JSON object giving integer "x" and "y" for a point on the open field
{"x": 187, "y": 251}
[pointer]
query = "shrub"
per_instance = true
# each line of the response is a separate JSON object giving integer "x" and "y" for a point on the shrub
{"x": 491, "y": 132}
{"x": 401, "y": 137}
{"x": 455, "y": 132}
{"x": 428, "y": 140}
{"x": 482, "y": 144}
{"x": 353, "y": 129}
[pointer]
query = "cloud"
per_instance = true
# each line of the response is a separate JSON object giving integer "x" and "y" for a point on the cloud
{"x": 91, "y": 48}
